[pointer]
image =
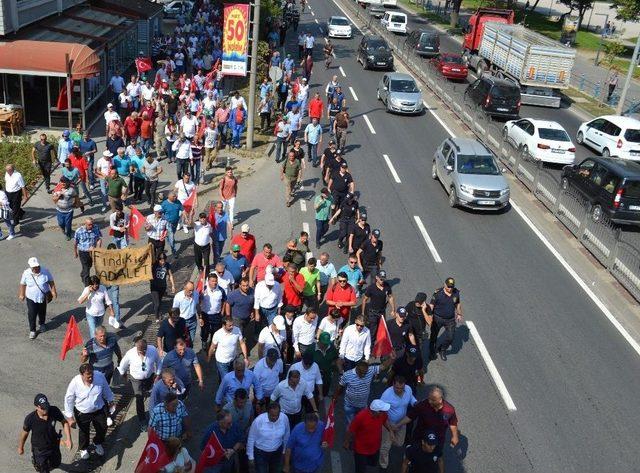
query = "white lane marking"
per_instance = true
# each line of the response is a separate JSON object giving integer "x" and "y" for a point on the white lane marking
{"x": 353, "y": 92}
{"x": 345, "y": 13}
{"x": 316, "y": 20}
{"x": 305, "y": 227}
{"x": 427, "y": 239}
{"x": 443, "y": 124}
{"x": 366, "y": 119}
{"x": 313, "y": 14}
{"x": 392, "y": 169}
{"x": 342, "y": 72}
{"x": 607, "y": 313}
{"x": 493, "y": 371}
{"x": 336, "y": 464}
{"x": 303, "y": 205}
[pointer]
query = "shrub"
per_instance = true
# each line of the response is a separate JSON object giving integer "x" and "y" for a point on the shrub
{"x": 19, "y": 154}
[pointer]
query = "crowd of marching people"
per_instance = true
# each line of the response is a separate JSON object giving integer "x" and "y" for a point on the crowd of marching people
{"x": 316, "y": 325}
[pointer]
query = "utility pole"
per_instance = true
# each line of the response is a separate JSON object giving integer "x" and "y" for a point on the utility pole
{"x": 627, "y": 82}
{"x": 68, "y": 67}
{"x": 255, "y": 32}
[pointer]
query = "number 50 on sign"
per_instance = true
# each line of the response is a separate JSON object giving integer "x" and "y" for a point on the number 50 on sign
{"x": 235, "y": 43}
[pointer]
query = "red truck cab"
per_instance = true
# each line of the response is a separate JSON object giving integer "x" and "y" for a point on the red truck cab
{"x": 473, "y": 33}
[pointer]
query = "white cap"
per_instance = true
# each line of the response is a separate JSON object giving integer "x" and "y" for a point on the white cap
{"x": 244, "y": 228}
{"x": 109, "y": 105}
{"x": 157, "y": 208}
{"x": 278, "y": 321}
{"x": 269, "y": 279}
{"x": 33, "y": 262}
{"x": 378, "y": 405}
{"x": 107, "y": 153}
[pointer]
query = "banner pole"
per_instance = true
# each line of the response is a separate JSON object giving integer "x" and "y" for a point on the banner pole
{"x": 255, "y": 32}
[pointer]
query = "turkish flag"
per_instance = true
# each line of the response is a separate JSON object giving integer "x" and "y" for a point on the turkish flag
{"x": 144, "y": 64}
{"x": 191, "y": 201}
{"x": 153, "y": 456}
{"x": 212, "y": 454}
{"x": 136, "y": 221}
{"x": 200, "y": 284}
{"x": 211, "y": 218}
{"x": 72, "y": 338}
{"x": 59, "y": 186}
{"x": 329, "y": 429}
{"x": 383, "y": 344}
{"x": 63, "y": 97}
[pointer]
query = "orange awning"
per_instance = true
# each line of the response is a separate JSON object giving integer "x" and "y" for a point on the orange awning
{"x": 47, "y": 58}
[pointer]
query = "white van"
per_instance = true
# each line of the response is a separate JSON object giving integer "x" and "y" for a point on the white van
{"x": 396, "y": 22}
{"x": 612, "y": 135}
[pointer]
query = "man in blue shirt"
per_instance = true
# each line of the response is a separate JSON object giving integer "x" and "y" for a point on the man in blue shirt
{"x": 354, "y": 274}
{"x": 236, "y": 263}
{"x": 240, "y": 377}
{"x": 240, "y": 303}
{"x": 222, "y": 228}
{"x": 230, "y": 439}
{"x": 172, "y": 209}
{"x": 180, "y": 360}
{"x": 86, "y": 238}
{"x": 88, "y": 149}
{"x": 313, "y": 137}
{"x": 305, "y": 446}
{"x": 400, "y": 398}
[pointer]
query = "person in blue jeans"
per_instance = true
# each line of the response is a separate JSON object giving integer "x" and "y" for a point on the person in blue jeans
{"x": 172, "y": 209}
{"x": 238, "y": 120}
{"x": 65, "y": 199}
{"x": 313, "y": 137}
{"x": 88, "y": 149}
{"x": 222, "y": 229}
{"x": 114, "y": 295}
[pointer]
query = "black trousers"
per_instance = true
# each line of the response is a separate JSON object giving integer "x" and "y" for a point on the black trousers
{"x": 36, "y": 310}
{"x": 138, "y": 188}
{"x": 156, "y": 300}
{"x": 15, "y": 204}
{"x": 86, "y": 262}
{"x": 202, "y": 256}
{"x": 158, "y": 247}
{"x": 449, "y": 326}
{"x": 265, "y": 120}
{"x": 363, "y": 461}
{"x": 294, "y": 419}
{"x": 45, "y": 169}
{"x": 343, "y": 232}
{"x": 45, "y": 461}
{"x": 99, "y": 421}
{"x": 212, "y": 323}
{"x": 150, "y": 189}
{"x": 338, "y": 197}
{"x": 373, "y": 319}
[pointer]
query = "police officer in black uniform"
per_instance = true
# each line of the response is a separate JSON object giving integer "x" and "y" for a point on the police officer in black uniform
{"x": 374, "y": 302}
{"x": 369, "y": 256}
{"x": 346, "y": 215}
{"x": 340, "y": 183}
{"x": 328, "y": 155}
{"x": 447, "y": 311}
{"x": 358, "y": 233}
{"x": 424, "y": 457}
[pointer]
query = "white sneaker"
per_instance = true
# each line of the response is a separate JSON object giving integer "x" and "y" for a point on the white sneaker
{"x": 99, "y": 451}
{"x": 186, "y": 229}
{"x": 112, "y": 321}
{"x": 84, "y": 455}
{"x": 103, "y": 209}
{"x": 32, "y": 335}
{"x": 109, "y": 421}
{"x": 10, "y": 237}
{"x": 178, "y": 227}
{"x": 115, "y": 324}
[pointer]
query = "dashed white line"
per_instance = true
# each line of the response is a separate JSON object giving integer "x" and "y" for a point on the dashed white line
{"x": 342, "y": 72}
{"x": 366, "y": 119}
{"x": 303, "y": 205}
{"x": 443, "y": 124}
{"x": 313, "y": 14}
{"x": 353, "y": 92}
{"x": 427, "y": 239}
{"x": 607, "y": 313}
{"x": 493, "y": 371}
{"x": 305, "y": 227}
{"x": 316, "y": 20}
{"x": 392, "y": 169}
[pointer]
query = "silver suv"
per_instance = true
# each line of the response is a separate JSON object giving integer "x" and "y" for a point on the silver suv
{"x": 470, "y": 174}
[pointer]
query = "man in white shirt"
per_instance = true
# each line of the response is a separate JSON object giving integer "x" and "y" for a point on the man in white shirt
{"x": 309, "y": 41}
{"x": 183, "y": 155}
{"x": 187, "y": 302}
{"x": 304, "y": 332}
{"x": 188, "y": 124}
{"x": 289, "y": 394}
{"x": 16, "y": 192}
{"x": 272, "y": 336}
{"x": 179, "y": 61}
{"x": 355, "y": 344}
{"x": 143, "y": 365}
{"x": 84, "y": 403}
{"x": 303, "y": 96}
{"x": 110, "y": 116}
{"x": 212, "y": 305}
{"x": 36, "y": 284}
{"x": 237, "y": 99}
{"x": 309, "y": 373}
{"x": 224, "y": 346}
{"x": 184, "y": 187}
{"x": 225, "y": 278}
{"x": 267, "y": 298}
{"x": 147, "y": 91}
{"x": 268, "y": 370}
{"x": 268, "y": 436}
{"x": 202, "y": 242}
{"x": 133, "y": 91}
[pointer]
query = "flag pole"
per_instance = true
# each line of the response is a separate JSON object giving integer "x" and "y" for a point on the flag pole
{"x": 68, "y": 66}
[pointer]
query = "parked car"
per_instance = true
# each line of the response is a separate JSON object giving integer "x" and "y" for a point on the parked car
{"x": 612, "y": 135}
{"x": 496, "y": 97}
{"x": 451, "y": 66}
{"x": 612, "y": 187}
{"x": 390, "y": 3}
{"x": 543, "y": 140}
{"x": 470, "y": 174}
{"x": 426, "y": 43}
{"x": 393, "y": 21}
{"x": 375, "y": 53}
{"x": 338, "y": 27}
{"x": 400, "y": 93}
{"x": 173, "y": 9}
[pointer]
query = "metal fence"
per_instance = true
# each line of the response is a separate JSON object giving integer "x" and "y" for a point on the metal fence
{"x": 598, "y": 235}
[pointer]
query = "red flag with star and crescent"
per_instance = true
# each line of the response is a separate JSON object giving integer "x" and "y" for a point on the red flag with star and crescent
{"x": 212, "y": 454}
{"x": 136, "y": 221}
{"x": 191, "y": 201}
{"x": 153, "y": 456}
{"x": 383, "y": 345}
{"x": 329, "y": 429}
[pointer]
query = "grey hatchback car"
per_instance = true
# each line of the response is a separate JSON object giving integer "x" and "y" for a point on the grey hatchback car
{"x": 400, "y": 93}
{"x": 470, "y": 174}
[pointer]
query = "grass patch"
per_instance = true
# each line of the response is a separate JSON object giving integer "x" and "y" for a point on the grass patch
{"x": 587, "y": 103}
{"x": 623, "y": 66}
{"x": 19, "y": 154}
{"x": 431, "y": 16}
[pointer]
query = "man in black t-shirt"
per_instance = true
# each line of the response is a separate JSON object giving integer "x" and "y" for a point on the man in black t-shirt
{"x": 425, "y": 457}
{"x": 401, "y": 332}
{"x": 359, "y": 232}
{"x": 45, "y": 436}
{"x": 43, "y": 154}
{"x": 346, "y": 214}
{"x": 375, "y": 300}
{"x": 327, "y": 156}
{"x": 340, "y": 183}
{"x": 410, "y": 366}
{"x": 333, "y": 164}
{"x": 171, "y": 328}
{"x": 369, "y": 256}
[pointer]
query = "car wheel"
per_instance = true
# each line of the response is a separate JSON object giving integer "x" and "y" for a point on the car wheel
{"x": 564, "y": 183}
{"x": 434, "y": 171}
{"x": 453, "y": 198}
{"x": 596, "y": 213}
{"x": 580, "y": 138}
{"x": 606, "y": 153}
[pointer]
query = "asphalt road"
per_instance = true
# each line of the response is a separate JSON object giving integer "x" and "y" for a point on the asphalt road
{"x": 558, "y": 357}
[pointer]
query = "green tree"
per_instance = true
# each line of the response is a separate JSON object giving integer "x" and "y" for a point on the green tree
{"x": 627, "y": 10}
{"x": 581, "y": 6}
{"x": 612, "y": 50}
{"x": 455, "y": 13}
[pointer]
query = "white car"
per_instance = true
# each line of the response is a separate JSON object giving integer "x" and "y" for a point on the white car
{"x": 612, "y": 135}
{"x": 390, "y": 3}
{"x": 543, "y": 140}
{"x": 339, "y": 27}
{"x": 395, "y": 22}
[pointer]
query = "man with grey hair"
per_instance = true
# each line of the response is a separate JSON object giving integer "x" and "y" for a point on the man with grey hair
{"x": 87, "y": 238}
{"x": 230, "y": 438}
{"x": 289, "y": 394}
{"x": 16, "y": 191}
{"x": 168, "y": 383}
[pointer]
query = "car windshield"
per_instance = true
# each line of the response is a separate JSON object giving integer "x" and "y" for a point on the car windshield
{"x": 477, "y": 165}
{"x": 505, "y": 91}
{"x": 397, "y": 19}
{"x": 377, "y": 44}
{"x": 632, "y": 136}
{"x": 403, "y": 85}
{"x": 452, "y": 59}
{"x": 553, "y": 134}
{"x": 339, "y": 22}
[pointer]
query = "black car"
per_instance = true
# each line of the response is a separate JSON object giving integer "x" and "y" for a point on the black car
{"x": 611, "y": 185}
{"x": 496, "y": 97}
{"x": 374, "y": 53}
{"x": 426, "y": 43}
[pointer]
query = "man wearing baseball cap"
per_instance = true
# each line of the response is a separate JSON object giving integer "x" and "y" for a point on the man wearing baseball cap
{"x": 38, "y": 288}
{"x": 45, "y": 436}
{"x": 401, "y": 332}
{"x": 425, "y": 456}
{"x": 366, "y": 432}
{"x": 447, "y": 312}
{"x": 246, "y": 241}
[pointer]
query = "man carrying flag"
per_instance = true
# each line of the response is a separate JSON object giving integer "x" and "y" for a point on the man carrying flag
{"x": 220, "y": 445}
{"x": 153, "y": 456}
{"x": 136, "y": 222}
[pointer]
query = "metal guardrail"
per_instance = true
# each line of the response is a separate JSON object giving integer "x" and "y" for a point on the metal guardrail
{"x": 600, "y": 237}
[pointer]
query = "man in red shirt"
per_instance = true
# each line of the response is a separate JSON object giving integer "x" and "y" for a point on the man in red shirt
{"x": 79, "y": 162}
{"x": 292, "y": 286}
{"x": 132, "y": 126}
{"x": 316, "y": 106}
{"x": 434, "y": 413}
{"x": 366, "y": 431}
{"x": 342, "y": 296}
{"x": 246, "y": 241}
{"x": 146, "y": 132}
{"x": 261, "y": 261}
